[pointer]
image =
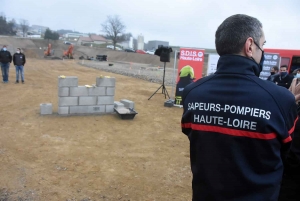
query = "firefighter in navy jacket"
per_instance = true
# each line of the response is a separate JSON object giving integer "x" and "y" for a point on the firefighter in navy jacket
{"x": 239, "y": 126}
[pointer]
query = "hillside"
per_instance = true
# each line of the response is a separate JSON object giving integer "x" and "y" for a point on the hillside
{"x": 34, "y": 48}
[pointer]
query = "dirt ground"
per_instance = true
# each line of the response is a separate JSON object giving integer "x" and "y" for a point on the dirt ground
{"x": 89, "y": 157}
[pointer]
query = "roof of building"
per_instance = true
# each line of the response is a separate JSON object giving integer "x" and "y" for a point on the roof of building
{"x": 87, "y": 39}
{"x": 95, "y": 37}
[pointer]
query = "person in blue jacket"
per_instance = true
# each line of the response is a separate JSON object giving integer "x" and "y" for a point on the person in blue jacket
{"x": 240, "y": 127}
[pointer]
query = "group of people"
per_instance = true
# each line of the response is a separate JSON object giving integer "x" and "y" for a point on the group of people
{"x": 282, "y": 78}
{"x": 18, "y": 60}
{"x": 243, "y": 131}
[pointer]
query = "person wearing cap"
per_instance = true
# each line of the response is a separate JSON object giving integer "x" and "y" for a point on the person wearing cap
{"x": 19, "y": 62}
{"x": 5, "y": 60}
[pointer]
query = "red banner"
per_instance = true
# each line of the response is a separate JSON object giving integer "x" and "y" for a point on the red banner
{"x": 189, "y": 69}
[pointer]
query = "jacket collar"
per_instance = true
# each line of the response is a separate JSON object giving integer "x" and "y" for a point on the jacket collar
{"x": 236, "y": 64}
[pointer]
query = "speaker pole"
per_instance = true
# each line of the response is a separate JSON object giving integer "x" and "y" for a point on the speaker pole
{"x": 163, "y": 87}
{"x": 163, "y": 82}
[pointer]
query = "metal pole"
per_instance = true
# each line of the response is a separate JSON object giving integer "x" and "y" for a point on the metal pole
{"x": 163, "y": 82}
{"x": 173, "y": 78}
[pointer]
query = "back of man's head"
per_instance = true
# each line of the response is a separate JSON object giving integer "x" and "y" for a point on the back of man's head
{"x": 275, "y": 68}
{"x": 232, "y": 34}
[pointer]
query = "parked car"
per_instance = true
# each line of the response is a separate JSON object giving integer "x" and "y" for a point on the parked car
{"x": 150, "y": 52}
{"x": 129, "y": 50}
{"x": 67, "y": 43}
{"x": 140, "y": 51}
{"x": 112, "y": 47}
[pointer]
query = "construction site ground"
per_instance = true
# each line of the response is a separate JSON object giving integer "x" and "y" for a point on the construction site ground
{"x": 97, "y": 157}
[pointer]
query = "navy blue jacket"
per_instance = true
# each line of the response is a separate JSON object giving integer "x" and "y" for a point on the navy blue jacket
{"x": 238, "y": 126}
{"x": 5, "y": 57}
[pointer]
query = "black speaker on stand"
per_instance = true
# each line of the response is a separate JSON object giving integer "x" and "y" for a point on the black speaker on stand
{"x": 164, "y": 53}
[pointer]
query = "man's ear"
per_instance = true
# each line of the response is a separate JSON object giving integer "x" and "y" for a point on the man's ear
{"x": 248, "y": 47}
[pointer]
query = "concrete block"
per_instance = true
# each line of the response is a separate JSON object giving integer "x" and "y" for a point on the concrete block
{"x": 68, "y": 81}
{"x": 110, "y": 91}
{"x": 105, "y": 100}
{"x": 105, "y": 82}
{"x": 79, "y": 91}
{"x": 109, "y": 108}
{"x": 95, "y": 109}
{"x": 97, "y": 91}
{"x": 63, "y": 91}
{"x": 63, "y": 110}
{"x": 67, "y": 101}
{"x": 46, "y": 108}
{"x": 118, "y": 105}
{"x": 89, "y": 100}
{"x": 127, "y": 103}
{"x": 79, "y": 110}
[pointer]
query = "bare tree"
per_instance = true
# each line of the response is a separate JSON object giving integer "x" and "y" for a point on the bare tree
{"x": 114, "y": 29}
{"x": 24, "y": 26}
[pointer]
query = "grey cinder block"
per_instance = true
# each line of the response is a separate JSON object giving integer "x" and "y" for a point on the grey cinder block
{"x": 67, "y": 101}
{"x": 63, "y": 91}
{"x": 89, "y": 100}
{"x": 109, "y": 108}
{"x": 46, "y": 108}
{"x": 79, "y": 110}
{"x": 110, "y": 91}
{"x": 105, "y": 82}
{"x": 79, "y": 91}
{"x": 127, "y": 103}
{"x": 68, "y": 81}
{"x": 97, "y": 91}
{"x": 95, "y": 109}
{"x": 118, "y": 105}
{"x": 63, "y": 110}
{"x": 105, "y": 100}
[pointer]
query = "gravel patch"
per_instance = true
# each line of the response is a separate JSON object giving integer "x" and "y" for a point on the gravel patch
{"x": 146, "y": 72}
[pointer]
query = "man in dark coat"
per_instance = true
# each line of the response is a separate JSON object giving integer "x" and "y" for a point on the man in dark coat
{"x": 238, "y": 125}
{"x": 274, "y": 73}
{"x": 284, "y": 79}
{"x": 19, "y": 62}
{"x": 5, "y": 60}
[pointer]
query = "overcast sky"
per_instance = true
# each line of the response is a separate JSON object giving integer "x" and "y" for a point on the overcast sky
{"x": 187, "y": 23}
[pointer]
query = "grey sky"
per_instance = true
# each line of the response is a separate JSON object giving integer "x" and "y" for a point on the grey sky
{"x": 189, "y": 23}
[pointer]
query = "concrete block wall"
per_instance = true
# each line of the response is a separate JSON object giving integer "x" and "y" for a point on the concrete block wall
{"x": 96, "y": 99}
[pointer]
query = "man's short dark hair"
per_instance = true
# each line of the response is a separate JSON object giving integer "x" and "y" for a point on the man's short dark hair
{"x": 284, "y": 66}
{"x": 232, "y": 34}
{"x": 275, "y": 68}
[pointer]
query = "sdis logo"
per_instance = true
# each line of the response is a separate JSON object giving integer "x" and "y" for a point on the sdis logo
{"x": 191, "y": 53}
